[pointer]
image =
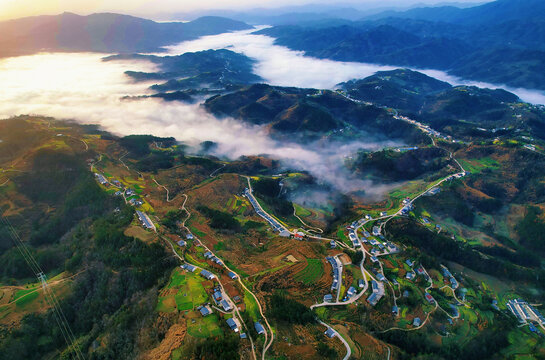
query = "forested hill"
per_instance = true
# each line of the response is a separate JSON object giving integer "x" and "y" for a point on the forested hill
{"x": 501, "y": 42}
{"x": 104, "y": 32}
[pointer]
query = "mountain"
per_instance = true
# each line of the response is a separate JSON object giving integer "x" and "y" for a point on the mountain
{"x": 456, "y": 110}
{"x": 383, "y": 44}
{"x": 307, "y": 113}
{"x": 492, "y": 12}
{"x": 103, "y": 32}
{"x": 401, "y": 89}
{"x": 500, "y": 42}
{"x": 209, "y": 69}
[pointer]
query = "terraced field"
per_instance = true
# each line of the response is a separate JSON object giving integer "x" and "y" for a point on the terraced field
{"x": 312, "y": 272}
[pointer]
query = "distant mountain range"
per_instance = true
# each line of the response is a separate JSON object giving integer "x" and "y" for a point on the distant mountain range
{"x": 500, "y": 42}
{"x": 103, "y": 33}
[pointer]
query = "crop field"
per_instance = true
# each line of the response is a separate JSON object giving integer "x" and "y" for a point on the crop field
{"x": 237, "y": 205}
{"x": 477, "y": 165}
{"x": 251, "y": 306}
{"x": 204, "y": 327}
{"x": 311, "y": 273}
{"x": 184, "y": 292}
{"x": 25, "y": 297}
{"x": 301, "y": 211}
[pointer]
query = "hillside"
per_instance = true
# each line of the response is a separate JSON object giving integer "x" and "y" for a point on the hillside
{"x": 499, "y": 42}
{"x": 109, "y": 33}
{"x": 460, "y": 111}
{"x": 401, "y": 89}
{"x": 125, "y": 296}
{"x": 296, "y": 111}
{"x": 213, "y": 70}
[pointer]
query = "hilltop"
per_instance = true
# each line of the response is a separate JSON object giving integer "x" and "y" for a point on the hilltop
{"x": 306, "y": 111}
{"x": 461, "y": 111}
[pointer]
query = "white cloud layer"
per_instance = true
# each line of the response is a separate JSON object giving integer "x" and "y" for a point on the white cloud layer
{"x": 279, "y": 65}
{"x": 86, "y": 89}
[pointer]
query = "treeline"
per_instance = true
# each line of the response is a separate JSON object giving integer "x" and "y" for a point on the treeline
{"x": 171, "y": 219}
{"x": 268, "y": 190}
{"x": 396, "y": 166}
{"x": 139, "y": 145}
{"x": 220, "y": 220}
{"x": 112, "y": 301}
{"x": 531, "y": 229}
{"x": 289, "y": 310}
{"x": 63, "y": 182}
{"x": 485, "y": 345}
{"x": 408, "y": 232}
{"x": 222, "y": 348}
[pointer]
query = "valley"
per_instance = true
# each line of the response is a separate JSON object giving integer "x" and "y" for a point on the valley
{"x": 210, "y": 189}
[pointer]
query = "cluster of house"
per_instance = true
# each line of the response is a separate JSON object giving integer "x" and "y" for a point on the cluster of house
{"x": 446, "y": 273}
{"x": 330, "y": 333}
{"x": 427, "y": 129}
{"x": 433, "y": 191}
{"x": 337, "y": 272}
{"x": 272, "y": 221}
{"x": 221, "y": 300}
{"x": 525, "y": 312}
{"x": 410, "y": 275}
{"x": 128, "y": 193}
{"x": 101, "y": 179}
{"x": 205, "y": 310}
{"x": 429, "y": 298}
{"x": 234, "y": 325}
{"x": 352, "y": 236}
{"x": 530, "y": 147}
{"x": 380, "y": 276}
{"x": 350, "y": 293}
{"x": 207, "y": 274}
{"x": 404, "y": 149}
{"x": 378, "y": 292}
{"x": 145, "y": 220}
{"x": 407, "y": 206}
{"x": 188, "y": 267}
{"x": 209, "y": 256}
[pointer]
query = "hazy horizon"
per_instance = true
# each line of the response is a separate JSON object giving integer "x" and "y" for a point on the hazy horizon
{"x": 160, "y": 9}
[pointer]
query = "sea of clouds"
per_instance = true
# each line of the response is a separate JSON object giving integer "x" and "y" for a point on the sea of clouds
{"x": 82, "y": 87}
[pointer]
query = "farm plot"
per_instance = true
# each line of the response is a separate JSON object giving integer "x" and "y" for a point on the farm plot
{"x": 312, "y": 272}
{"x": 184, "y": 292}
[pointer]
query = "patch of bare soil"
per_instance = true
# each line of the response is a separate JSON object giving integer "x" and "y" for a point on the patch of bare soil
{"x": 173, "y": 340}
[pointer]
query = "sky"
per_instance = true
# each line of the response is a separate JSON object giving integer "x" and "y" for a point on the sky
{"x": 10, "y": 9}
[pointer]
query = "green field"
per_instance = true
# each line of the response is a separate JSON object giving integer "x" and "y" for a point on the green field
{"x": 204, "y": 327}
{"x": 190, "y": 293}
{"x": 311, "y": 273}
{"x": 251, "y": 306}
{"x": 301, "y": 211}
{"x": 26, "y": 298}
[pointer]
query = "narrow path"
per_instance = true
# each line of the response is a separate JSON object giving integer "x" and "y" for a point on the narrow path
{"x": 312, "y": 228}
{"x": 213, "y": 173}
{"x": 348, "y": 350}
{"x": 267, "y": 342}
{"x": 40, "y": 288}
{"x": 164, "y": 187}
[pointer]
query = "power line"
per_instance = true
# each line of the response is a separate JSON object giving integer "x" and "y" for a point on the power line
{"x": 49, "y": 295}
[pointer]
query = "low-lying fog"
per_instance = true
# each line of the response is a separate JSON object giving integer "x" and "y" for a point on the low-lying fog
{"x": 281, "y": 66}
{"x": 88, "y": 90}
{"x": 84, "y": 88}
